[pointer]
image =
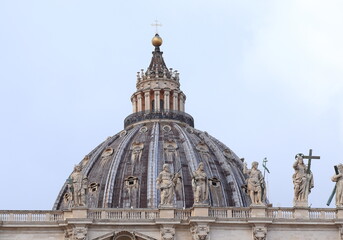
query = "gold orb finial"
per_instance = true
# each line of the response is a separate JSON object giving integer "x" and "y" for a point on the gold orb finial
{"x": 156, "y": 40}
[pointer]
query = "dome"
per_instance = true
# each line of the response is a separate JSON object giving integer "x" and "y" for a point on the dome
{"x": 122, "y": 171}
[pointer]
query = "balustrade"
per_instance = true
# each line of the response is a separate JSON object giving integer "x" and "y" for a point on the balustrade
{"x": 151, "y": 214}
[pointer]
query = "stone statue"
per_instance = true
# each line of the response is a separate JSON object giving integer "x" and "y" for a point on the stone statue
{"x": 303, "y": 181}
{"x": 255, "y": 184}
{"x": 78, "y": 185}
{"x": 200, "y": 185}
{"x": 166, "y": 182}
{"x": 338, "y": 178}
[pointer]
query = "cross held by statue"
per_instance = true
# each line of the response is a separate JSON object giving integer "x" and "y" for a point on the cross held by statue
{"x": 310, "y": 157}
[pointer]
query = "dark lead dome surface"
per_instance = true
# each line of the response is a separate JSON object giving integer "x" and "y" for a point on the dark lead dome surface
{"x": 122, "y": 171}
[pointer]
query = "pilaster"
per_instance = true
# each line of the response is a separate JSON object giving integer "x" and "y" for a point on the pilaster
{"x": 139, "y": 100}
{"x": 175, "y": 101}
{"x": 157, "y": 100}
{"x": 166, "y": 100}
{"x": 147, "y": 100}
{"x": 134, "y": 104}
{"x": 182, "y": 102}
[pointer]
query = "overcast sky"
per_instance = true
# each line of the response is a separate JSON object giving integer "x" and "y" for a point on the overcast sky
{"x": 263, "y": 77}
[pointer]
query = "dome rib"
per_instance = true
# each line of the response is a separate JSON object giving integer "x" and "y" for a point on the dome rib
{"x": 111, "y": 177}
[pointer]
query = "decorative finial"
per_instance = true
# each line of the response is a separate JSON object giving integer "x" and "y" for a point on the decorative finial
{"x": 156, "y": 25}
{"x": 156, "y": 40}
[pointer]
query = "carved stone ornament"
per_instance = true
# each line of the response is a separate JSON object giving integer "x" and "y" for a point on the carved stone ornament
{"x": 166, "y": 128}
{"x": 227, "y": 154}
{"x": 84, "y": 161}
{"x": 143, "y": 129}
{"x": 200, "y": 232}
{"x": 190, "y": 130}
{"x": 203, "y": 150}
{"x": 76, "y": 233}
{"x": 123, "y": 133}
{"x": 106, "y": 155}
{"x": 170, "y": 149}
{"x": 259, "y": 233}
{"x": 136, "y": 154}
{"x": 167, "y": 233}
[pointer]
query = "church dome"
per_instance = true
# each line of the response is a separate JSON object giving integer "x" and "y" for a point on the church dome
{"x": 122, "y": 171}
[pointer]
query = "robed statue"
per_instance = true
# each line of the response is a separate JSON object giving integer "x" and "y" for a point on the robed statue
{"x": 256, "y": 187}
{"x": 338, "y": 178}
{"x": 167, "y": 183}
{"x": 200, "y": 185}
{"x": 302, "y": 180}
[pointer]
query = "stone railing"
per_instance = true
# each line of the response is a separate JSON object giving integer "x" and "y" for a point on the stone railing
{"x": 182, "y": 214}
{"x": 313, "y": 213}
{"x": 179, "y": 214}
{"x": 30, "y": 216}
{"x": 123, "y": 214}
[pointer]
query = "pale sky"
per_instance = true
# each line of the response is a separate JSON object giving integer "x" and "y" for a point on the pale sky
{"x": 263, "y": 77}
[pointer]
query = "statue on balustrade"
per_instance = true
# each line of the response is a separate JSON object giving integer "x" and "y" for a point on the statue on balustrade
{"x": 338, "y": 178}
{"x": 78, "y": 184}
{"x": 200, "y": 185}
{"x": 256, "y": 187}
{"x": 302, "y": 180}
{"x": 167, "y": 183}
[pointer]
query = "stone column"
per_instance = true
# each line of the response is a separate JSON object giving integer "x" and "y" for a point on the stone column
{"x": 147, "y": 101}
{"x": 175, "y": 101}
{"x": 139, "y": 100}
{"x": 166, "y": 100}
{"x": 157, "y": 100}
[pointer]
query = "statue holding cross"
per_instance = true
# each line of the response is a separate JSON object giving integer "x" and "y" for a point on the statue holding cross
{"x": 338, "y": 190}
{"x": 302, "y": 179}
